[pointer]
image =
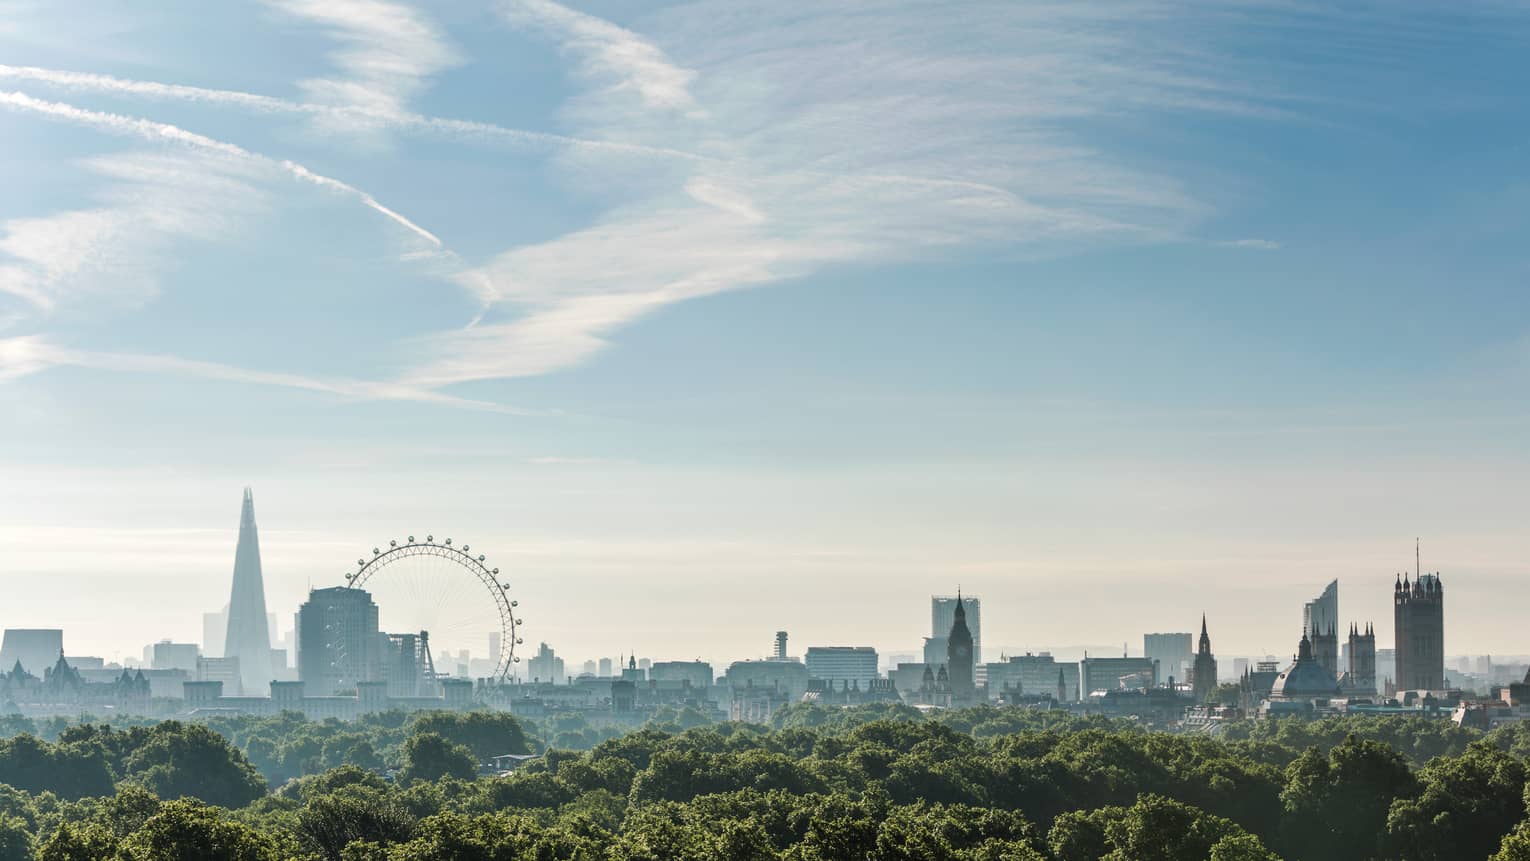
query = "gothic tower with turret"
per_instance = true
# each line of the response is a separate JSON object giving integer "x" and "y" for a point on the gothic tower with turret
{"x": 959, "y": 657}
{"x": 1203, "y": 673}
{"x": 1418, "y": 613}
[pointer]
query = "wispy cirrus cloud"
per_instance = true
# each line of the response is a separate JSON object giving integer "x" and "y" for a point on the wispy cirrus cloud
{"x": 164, "y": 132}
{"x": 617, "y": 58}
{"x": 30, "y": 354}
{"x": 840, "y": 135}
{"x": 389, "y": 52}
{"x": 114, "y": 252}
{"x": 341, "y": 116}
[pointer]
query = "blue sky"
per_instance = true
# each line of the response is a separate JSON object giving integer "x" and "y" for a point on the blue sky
{"x": 712, "y": 318}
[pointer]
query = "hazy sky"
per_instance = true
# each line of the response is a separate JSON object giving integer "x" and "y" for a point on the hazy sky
{"x": 708, "y": 319}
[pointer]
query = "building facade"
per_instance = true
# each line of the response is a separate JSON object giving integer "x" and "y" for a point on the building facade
{"x": 1115, "y": 674}
{"x": 1322, "y": 612}
{"x": 842, "y": 663}
{"x": 339, "y": 645}
{"x": 1173, "y": 652}
{"x": 1419, "y": 622}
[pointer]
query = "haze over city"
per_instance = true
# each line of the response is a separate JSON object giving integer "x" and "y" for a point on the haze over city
{"x": 703, "y": 322}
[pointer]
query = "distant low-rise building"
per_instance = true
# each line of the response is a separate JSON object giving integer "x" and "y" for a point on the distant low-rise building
{"x": 841, "y": 663}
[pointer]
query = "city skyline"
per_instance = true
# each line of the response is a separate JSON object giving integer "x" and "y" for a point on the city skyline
{"x": 248, "y": 584}
{"x": 1110, "y": 313}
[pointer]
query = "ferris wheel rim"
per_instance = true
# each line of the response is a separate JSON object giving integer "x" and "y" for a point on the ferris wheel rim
{"x": 499, "y": 590}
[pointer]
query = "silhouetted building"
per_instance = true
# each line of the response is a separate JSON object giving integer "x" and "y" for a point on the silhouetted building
{"x": 1360, "y": 678}
{"x": 1419, "y": 623}
{"x": 943, "y": 616}
{"x": 1173, "y": 652}
{"x": 842, "y": 663}
{"x": 1033, "y": 675}
{"x": 339, "y": 645}
{"x": 780, "y": 652}
{"x": 1203, "y": 675}
{"x": 249, "y": 634}
{"x": 35, "y": 648}
{"x": 961, "y": 656}
{"x": 788, "y": 678}
{"x": 1325, "y": 649}
{"x": 1305, "y": 680}
{"x": 407, "y": 666}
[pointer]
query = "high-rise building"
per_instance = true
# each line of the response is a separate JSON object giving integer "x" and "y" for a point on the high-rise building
{"x": 166, "y": 655}
{"x": 249, "y": 631}
{"x": 1322, "y": 613}
{"x": 36, "y": 649}
{"x": 780, "y": 653}
{"x": 961, "y": 655}
{"x": 1203, "y": 676}
{"x": 1418, "y": 611}
{"x": 845, "y": 664}
{"x": 339, "y": 645}
{"x": 1172, "y": 652}
{"x": 943, "y": 616}
{"x": 605, "y": 668}
{"x": 545, "y": 666}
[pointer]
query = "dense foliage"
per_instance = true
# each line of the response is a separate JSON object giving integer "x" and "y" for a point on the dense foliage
{"x": 885, "y": 783}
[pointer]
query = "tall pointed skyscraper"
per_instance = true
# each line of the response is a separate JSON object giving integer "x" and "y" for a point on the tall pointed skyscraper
{"x": 249, "y": 638}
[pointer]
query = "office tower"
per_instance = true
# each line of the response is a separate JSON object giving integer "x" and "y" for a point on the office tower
{"x": 589, "y": 668}
{"x": 605, "y": 668}
{"x": 935, "y": 650}
{"x": 1115, "y": 674}
{"x": 1362, "y": 660}
{"x": 1325, "y": 649}
{"x": 780, "y": 653}
{"x": 407, "y": 667}
{"x": 545, "y": 666}
{"x": 338, "y": 642}
{"x": 249, "y": 632}
{"x": 961, "y": 655}
{"x": 1204, "y": 674}
{"x": 1172, "y": 652}
{"x": 943, "y": 616}
{"x": 166, "y": 655}
{"x": 1418, "y": 610}
{"x": 838, "y": 664}
{"x": 1322, "y": 613}
{"x": 36, "y": 649}
{"x": 214, "y": 630}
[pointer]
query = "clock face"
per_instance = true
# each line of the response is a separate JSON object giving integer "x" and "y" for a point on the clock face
{"x": 961, "y": 652}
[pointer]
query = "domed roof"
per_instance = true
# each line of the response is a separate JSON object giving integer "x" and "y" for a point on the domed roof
{"x": 1304, "y": 679}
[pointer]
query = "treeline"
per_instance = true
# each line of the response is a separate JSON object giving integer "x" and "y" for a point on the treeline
{"x": 880, "y": 783}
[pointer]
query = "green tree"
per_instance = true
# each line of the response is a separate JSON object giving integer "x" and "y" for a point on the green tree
{"x": 429, "y": 757}
{"x": 179, "y": 760}
{"x": 1468, "y": 804}
{"x": 329, "y": 823}
{"x": 1335, "y": 806}
{"x": 189, "y": 830}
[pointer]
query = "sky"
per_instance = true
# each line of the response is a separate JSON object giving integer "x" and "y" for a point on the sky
{"x": 707, "y": 319}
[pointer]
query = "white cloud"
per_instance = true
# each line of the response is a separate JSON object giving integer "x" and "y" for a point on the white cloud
{"x": 32, "y": 354}
{"x": 389, "y": 52}
{"x": 115, "y": 251}
{"x": 625, "y": 61}
{"x": 338, "y": 116}
{"x": 880, "y": 133}
{"x": 1254, "y": 244}
{"x": 157, "y": 131}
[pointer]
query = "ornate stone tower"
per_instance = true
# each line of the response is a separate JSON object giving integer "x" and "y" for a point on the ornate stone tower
{"x": 1362, "y": 660}
{"x": 1325, "y": 648}
{"x": 1203, "y": 674}
{"x": 959, "y": 656}
{"x": 1418, "y": 613}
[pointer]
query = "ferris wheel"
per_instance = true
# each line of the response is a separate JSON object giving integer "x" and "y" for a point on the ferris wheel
{"x": 447, "y": 591}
